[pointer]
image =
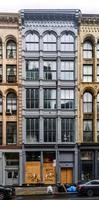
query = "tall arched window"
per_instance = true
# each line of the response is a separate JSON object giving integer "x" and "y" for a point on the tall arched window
{"x": 11, "y": 103}
{"x": 67, "y": 42}
{"x": 11, "y": 49}
{"x": 49, "y": 42}
{"x": 0, "y": 103}
{"x": 87, "y": 49}
{"x": 87, "y": 102}
{"x": 32, "y": 42}
{"x": 0, "y": 49}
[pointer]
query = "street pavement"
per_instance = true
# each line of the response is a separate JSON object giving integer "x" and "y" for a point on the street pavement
{"x": 60, "y": 197}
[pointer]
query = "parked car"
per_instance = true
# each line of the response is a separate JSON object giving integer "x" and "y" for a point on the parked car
{"x": 7, "y": 192}
{"x": 89, "y": 188}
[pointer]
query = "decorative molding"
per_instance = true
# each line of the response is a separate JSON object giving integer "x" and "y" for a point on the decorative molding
{"x": 8, "y": 19}
{"x": 67, "y": 24}
{"x": 89, "y": 19}
{"x": 88, "y": 28}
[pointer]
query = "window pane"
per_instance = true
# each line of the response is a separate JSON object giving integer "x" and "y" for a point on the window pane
{"x": 67, "y": 130}
{"x": 32, "y": 130}
{"x": 67, "y": 99}
{"x": 49, "y": 130}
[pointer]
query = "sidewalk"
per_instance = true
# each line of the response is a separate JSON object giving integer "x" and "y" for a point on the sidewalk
{"x": 38, "y": 191}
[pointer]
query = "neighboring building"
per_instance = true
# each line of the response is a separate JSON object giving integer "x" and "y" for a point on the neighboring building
{"x": 49, "y": 94}
{"x": 88, "y": 94}
{"x": 10, "y": 95}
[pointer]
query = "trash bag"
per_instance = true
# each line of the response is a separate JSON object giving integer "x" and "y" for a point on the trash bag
{"x": 71, "y": 189}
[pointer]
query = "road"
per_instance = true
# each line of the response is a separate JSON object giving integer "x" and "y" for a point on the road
{"x": 60, "y": 197}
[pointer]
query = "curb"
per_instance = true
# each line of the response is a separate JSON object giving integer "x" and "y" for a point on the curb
{"x": 46, "y": 194}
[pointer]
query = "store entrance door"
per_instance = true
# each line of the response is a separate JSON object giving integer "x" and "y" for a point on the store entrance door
{"x": 66, "y": 175}
{"x": 11, "y": 177}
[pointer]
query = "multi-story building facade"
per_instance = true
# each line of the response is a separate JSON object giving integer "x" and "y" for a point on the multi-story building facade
{"x": 88, "y": 95}
{"x": 49, "y": 95}
{"x": 10, "y": 95}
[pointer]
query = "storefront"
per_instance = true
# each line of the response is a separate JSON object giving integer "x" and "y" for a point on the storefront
{"x": 50, "y": 167}
{"x": 88, "y": 163}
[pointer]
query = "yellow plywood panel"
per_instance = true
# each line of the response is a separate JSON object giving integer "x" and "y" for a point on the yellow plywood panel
{"x": 32, "y": 172}
{"x": 69, "y": 173}
{"x": 63, "y": 175}
{"x": 66, "y": 175}
{"x": 49, "y": 173}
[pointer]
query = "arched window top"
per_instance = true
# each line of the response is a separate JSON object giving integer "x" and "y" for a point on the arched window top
{"x": 11, "y": 95}
{"x": 87, "y": 97}
{"x": 11, "y": 49}
{"x": 87, "y": 102}
{"x": 11, "y": 103}
{"x": 88, "y": 49}
{"x": 32, "y": 42}
{"x": 49, "y": 42}
{"x": 87, "y": 45}
{"x": 49, "y": 37}
{"x": 11, "y": 44}
{"x": 67, "y": 38}
{"x": 32, "y": 37}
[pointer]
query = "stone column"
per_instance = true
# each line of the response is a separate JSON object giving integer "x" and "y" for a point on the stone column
{"x": 95, "y": 118}
{"x": 20, "y": 169}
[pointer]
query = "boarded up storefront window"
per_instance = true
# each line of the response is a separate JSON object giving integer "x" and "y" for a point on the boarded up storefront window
{"x": 49, "y": 168}
{"x": 32, "y": 172}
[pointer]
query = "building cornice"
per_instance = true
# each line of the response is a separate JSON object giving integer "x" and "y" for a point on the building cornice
{"x": 9, "y": 18}
{"x": 49, "y": 15}
{"x": 89, "y": 19}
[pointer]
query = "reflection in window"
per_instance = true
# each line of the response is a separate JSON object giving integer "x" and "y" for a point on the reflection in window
{"x": 11, "y": 132}
{"x": 87, "y": 102}
{"x": 11, "y": 49}
{"x": 11, "y": 73}
{"x": 67, "y": 70}
{"x": 50, "y": 98}
{"x": 87, "y": 165}
{"x": 87, "y": 131}
{"x": 32, "y": 42}
{"x": 32, "y": 130}
{"x": 49, "y": 70}
{"x": 32, "y": 98}
{"x": 32, "y": 70}
{"x": 49, "y": 130}
{"x": 67, "y": 130}
{"x": 67, "y": 42}
{"x": 87, "y": 50}
{"x": 67, "y": 98}
{"x": 11, "y": 103}
{"x": 33, "y": 156}
{"x": 87, "y": 73}
{"x": 49, "y": 42}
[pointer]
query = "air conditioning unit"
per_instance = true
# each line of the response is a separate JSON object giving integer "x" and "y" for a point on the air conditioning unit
{"x": 9, "y": 112}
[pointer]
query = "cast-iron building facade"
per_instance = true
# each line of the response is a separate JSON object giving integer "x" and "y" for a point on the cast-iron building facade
{"x": 49, "y": 95}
